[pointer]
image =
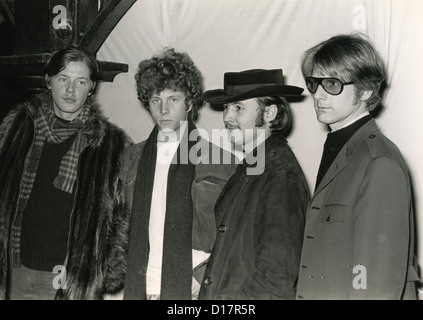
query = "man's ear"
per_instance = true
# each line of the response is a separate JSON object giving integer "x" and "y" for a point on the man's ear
{"x": 92, "y": 89}
{"x": 189, "y": 105}
{"x": 270, "y": 113}
{"x": 366, "y": 94}
{"x": 47, "y": 80}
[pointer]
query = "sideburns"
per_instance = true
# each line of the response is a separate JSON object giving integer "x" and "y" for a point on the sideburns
{"x": 259, "y": 122}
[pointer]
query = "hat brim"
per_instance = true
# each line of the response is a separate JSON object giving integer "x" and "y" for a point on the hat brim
{"x": 218, "y": 96}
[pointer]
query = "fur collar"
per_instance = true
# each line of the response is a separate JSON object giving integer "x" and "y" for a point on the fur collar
{"x": 99, "y": 203}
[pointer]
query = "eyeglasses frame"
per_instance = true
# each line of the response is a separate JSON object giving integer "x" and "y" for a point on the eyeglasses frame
{"x": 319, "y": 83}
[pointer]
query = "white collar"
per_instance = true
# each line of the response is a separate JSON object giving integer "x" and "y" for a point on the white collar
{"x": 362, "y": 115}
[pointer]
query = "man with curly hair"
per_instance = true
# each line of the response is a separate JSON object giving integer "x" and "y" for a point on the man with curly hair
{"x": 171, "y": 184}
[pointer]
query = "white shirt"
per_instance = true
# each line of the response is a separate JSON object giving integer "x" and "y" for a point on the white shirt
{"x": 165, "y": 150}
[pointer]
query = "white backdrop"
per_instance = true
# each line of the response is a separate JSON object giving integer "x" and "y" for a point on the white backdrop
{"x": 235, "y": 35}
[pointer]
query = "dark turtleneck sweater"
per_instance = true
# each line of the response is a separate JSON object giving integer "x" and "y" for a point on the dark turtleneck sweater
{"x": 334, "y": 143}
{"x": 45, "y": 224}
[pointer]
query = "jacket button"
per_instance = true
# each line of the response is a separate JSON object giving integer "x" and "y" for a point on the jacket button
{"x": 372, "y": 136}
{"x": 222, "y": 228}
{"x": 207, "y": 281}
{"x": 327, "y": 219}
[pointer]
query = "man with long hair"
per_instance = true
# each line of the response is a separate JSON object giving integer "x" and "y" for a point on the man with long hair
{"x": 260, "y": 213}
{"x": 359, "y": 235}
{"x": 59, "y": 165}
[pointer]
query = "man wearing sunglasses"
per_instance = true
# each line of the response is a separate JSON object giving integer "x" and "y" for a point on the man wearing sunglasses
{"x": 358, "y": 240}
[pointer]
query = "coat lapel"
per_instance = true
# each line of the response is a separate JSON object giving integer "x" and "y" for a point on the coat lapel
{"x": 337, "y": 165}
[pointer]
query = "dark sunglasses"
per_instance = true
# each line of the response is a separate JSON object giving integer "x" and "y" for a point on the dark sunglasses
{"x": 332, "y": 86}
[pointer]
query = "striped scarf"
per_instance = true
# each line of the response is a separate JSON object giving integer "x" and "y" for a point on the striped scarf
{"x": 51, "y": 129}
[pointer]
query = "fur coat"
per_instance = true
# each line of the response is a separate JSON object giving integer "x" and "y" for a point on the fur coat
{"x": 98, "y": 201}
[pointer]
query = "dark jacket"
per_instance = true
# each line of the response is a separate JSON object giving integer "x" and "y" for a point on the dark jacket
{"x": 209, "y": 180}
{"x": 260, "y": 222}
{"x": 97, "y": 205}
{"x": 359, "y": 235}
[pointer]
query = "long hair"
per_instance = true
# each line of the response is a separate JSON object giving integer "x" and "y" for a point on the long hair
{"x": 283, "y": 118}
{"x": 170, "y": 70}
{"x": 349, "y": 58}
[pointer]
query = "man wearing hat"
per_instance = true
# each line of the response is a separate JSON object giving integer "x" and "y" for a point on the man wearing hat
{"x": 260, "y": 212}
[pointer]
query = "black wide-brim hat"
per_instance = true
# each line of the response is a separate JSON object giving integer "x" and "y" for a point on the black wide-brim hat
{"x": 250, "y": 84}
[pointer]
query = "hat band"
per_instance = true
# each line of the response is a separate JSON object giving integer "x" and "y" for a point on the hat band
{"x": 240, "y": 89}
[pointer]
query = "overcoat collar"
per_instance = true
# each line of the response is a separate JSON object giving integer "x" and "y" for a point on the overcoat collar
{"x": 341, "y": 160}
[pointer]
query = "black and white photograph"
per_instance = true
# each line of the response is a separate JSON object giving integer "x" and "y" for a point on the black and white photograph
{"x": 208, "y": 150}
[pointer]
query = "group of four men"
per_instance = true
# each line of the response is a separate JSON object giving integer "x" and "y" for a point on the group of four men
{"x": 178, "y": 217}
